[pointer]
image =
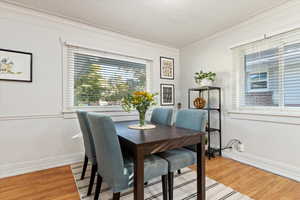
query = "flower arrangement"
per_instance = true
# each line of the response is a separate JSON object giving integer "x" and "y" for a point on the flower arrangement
{"x": 139, "y": 100}
{"x": 205, "y": 77}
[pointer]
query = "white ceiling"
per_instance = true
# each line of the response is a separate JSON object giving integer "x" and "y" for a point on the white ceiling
{"x": 170, "y": 22}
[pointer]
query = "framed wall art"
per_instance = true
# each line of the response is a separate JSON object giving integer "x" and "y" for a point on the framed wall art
{"x": 167, "y": 95}
{"x": 167, "y": 68}
{"x": 15, "y": 66}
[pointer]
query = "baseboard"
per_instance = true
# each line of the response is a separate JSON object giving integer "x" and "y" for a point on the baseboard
{"x": 45, "y": 163}
{"x": 275, "y": 167}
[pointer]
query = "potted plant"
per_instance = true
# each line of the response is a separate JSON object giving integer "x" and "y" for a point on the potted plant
{"x": 141, "y": 101}
{"x": 205, "y": 78}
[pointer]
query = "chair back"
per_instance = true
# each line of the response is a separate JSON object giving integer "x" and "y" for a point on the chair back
{"x": 191, "y": 119}
{"x": 162, "y": 116}
{"x": 108, "y": 151}
{"x": 87, "y": 135}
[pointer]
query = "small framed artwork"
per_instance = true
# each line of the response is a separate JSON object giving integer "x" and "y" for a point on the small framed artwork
{"x": 167, "y": 68}
{"x": 167, "y": 95}
{"x": 15, "y": 66}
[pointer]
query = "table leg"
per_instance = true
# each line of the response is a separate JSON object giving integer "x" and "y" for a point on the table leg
{"x": 139, "y": 175}
{"x": 201, "y": 169}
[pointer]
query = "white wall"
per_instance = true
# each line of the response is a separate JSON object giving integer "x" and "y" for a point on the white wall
{"x": 34, "y": 134}
{"x": 271, "y": 142}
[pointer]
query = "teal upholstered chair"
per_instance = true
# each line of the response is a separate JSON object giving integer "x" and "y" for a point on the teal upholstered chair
{"x": 162, "y": 116}
{"x": 88, "y": 142}
{"x": 115, "y": 168}
{"x": 192, "y": 119}
{"x": 183, "y": 157}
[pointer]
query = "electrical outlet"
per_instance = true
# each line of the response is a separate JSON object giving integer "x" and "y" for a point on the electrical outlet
{"x": 241, "y": 147}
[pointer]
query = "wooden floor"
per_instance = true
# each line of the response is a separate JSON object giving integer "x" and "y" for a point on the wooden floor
{"x": 256, "y": 183}
{"x": 58, "y": 183}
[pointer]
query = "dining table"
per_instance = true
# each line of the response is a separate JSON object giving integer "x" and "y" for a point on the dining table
{"x": 141, "y": 143}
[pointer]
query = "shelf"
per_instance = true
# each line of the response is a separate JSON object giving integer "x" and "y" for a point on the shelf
{"x": 214, "y": 130}
{"x": 217, "y": 109}
{"x": 204, "y": 88}
{"x": 211, "y": 152}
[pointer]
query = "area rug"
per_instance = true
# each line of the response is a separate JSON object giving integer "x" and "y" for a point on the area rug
{"x": 184, "y": 187}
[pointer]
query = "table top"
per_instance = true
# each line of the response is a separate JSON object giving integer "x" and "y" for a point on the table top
{"x": 158, "y": 134}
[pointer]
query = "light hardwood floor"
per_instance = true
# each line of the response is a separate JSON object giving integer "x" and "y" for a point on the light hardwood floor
{"x": 251, "y": 181}
{"x": 58, "y": 183}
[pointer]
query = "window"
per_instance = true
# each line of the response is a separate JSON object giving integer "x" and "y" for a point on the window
{"x": 268, "y": 72}
{"x": 257, "y": 81}
{"x": 291, "y": 77}
{"x": 101, "y": 79}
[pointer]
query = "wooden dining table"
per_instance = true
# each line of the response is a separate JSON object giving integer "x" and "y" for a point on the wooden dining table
{"x": 161, "y": 138}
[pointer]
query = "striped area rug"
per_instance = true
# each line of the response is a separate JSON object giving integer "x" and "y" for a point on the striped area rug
{"x": 184, "y": 188}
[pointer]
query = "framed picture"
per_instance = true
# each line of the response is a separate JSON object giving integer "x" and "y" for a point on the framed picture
{"x": 167, "y": 95}
{"x": 15, "y": 65}
{"x": 167, "y": 68}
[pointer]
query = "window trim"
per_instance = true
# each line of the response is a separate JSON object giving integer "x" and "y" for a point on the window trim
{"x": 286, "y": 36}
{"x": 240, "y": 84}
{"x": 66, "y": 108}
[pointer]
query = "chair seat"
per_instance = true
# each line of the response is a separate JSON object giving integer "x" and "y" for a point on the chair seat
{"x": 154, "y": 166}
{"x": 179, "y": 158}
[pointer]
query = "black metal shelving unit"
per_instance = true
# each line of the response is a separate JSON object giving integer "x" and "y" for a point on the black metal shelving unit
{"x": 209, "y": 129}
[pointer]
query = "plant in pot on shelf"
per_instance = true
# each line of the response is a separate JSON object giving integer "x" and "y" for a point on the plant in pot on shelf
{"x": 141, "y": 101}
{"x": 205, "y": 78}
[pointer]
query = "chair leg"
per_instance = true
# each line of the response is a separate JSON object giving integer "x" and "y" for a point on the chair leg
{"x": 98, "y": 187}
{"x": 171, "y": 184}
{"x": 93, "y": 174}
{"x": 164, "y": 180}
{"x": 116, "y": 196}
{"x": 86, "y": 160}
{"x": 179, "y": 171}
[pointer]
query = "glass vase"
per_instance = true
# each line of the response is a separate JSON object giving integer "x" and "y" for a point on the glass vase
{"x": 142, "y": 118}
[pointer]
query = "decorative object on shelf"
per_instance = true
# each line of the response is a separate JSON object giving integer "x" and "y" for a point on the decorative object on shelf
{"x": 167, "y": 94}
{"x": 141, "y": 101}
{"x": 167, "y": 68}
{"x": 205, "y": 78}
{"x": 15, "y": 65}
{"x": 199, "y": 103}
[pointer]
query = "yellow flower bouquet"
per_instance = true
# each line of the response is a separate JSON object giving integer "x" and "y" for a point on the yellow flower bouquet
{"x": 141, "y": 101}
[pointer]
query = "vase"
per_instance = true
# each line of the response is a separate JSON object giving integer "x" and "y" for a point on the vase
{"x": 142, "y": 115}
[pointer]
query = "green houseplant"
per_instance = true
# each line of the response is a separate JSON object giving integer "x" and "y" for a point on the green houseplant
{"x": 204, "y": 78}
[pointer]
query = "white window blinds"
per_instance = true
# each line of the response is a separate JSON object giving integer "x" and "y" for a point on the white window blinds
{"x": 267, "y": 72}
{"x": 101, "y": 79}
